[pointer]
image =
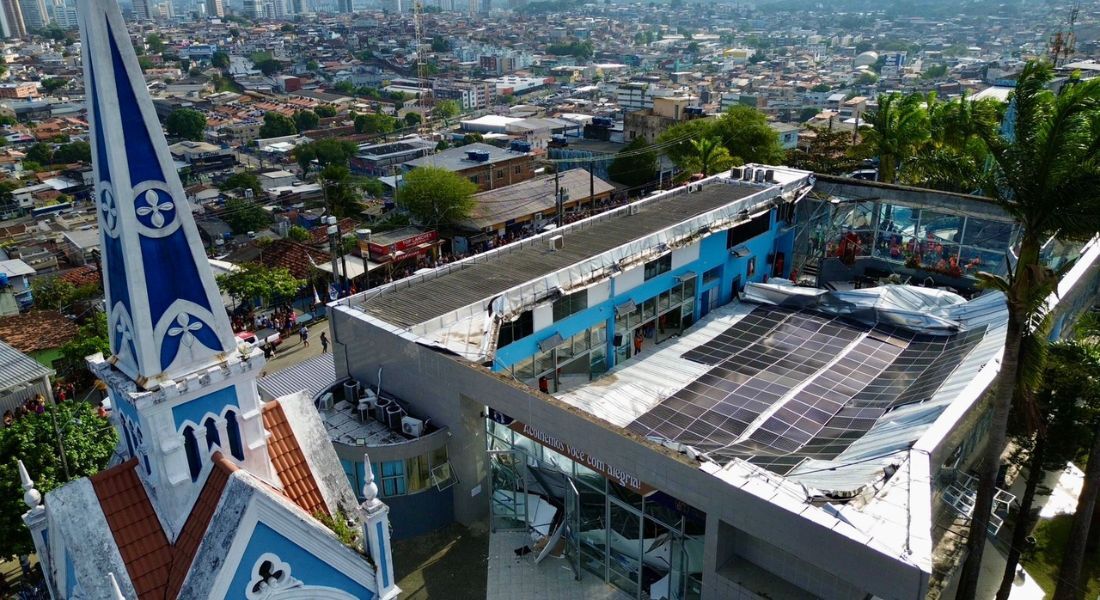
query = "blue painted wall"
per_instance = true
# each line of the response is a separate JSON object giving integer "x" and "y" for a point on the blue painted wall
{"x": 410, "y": 514}
{"x": 712, "y": 253}
{"x": 213, "y": 403}
{"x": 306, "y": 567}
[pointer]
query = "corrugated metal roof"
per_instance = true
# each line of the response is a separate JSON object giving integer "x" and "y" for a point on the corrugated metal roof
{"x": 314, "y": 376}
{"x": 467, "y": 283}
{"x": 17, "y": 368}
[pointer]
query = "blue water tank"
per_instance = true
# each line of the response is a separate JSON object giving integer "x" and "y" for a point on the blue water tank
{"x": 3, "y": 280}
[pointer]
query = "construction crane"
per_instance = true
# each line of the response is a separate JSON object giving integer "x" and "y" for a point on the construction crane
{"x": 421, "y": 72}
{"x": 1064, "y": 43}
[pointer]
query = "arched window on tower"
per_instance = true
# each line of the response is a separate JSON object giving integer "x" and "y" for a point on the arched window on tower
{"x": 129, "y": 437}
{"x": 191, "y": 447}
{"x": 233, "y": 429}
{"x": 212, "y": 436}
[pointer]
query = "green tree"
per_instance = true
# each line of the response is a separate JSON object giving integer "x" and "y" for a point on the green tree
{"x": 341, "y": 196}
{"x": 447, "y": 109}
{"x": 828, "y": 152}
{"x": 867, "y": 78}
{"x": 52, "y": 293}
{"x": 92, "y": 338}
{"x": 676, "y": 140}
{"x": 244, "y": 216}
{"x": 375, "y": 123}
{"x": 1065, "y": 394}
{"x": 329, "y": 151}
{"x": 186, "y": 123}
{"x": 277, "y": 125}
{"x": 436, "y": 197}
{"x": 709, "y": 157}
{"x": 373, "y": 187}
{"x": 821, "y": 88}
{"x": 53, "y": 84}
{"x": 305, "y": 120}
{"x": 74, "y": 152}
{"x": 154, "y": 43}
{"x": 247, "y": 180}
{"x": 325, "y": 111}
{"x": 254, "y": 281}
{"x": 412, "y": 119}
{"x": 220, "y": 60}
{"x": 313, "y": 66}
{"x": 145, "y": 63}
{"x": 745, "y": 132}
{"x": 40, "y": 153}
{"x": 1048, "y": 178}
{"x": 297, "y": 233}
{"x": 635, "y": 166}
{"x": 439, "y": 44}
{"x": 899, "y": 126}
{"x": 86, "y": 445}
{"x": 934, "y": 72}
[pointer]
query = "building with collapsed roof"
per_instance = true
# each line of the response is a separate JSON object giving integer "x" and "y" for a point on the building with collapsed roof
{"x": 700, "y": 425}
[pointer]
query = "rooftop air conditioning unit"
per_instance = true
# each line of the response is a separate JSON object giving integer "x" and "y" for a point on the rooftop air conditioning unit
{"x": 557, "y": 242}
{"x": 769, "y": 175}
{"x": 634, "y": 208}
{"x": 326, "y": 401}
{"x": 735, "y": 173}
{"x": 412, "y": 427}
{"x": 746, "y": 174}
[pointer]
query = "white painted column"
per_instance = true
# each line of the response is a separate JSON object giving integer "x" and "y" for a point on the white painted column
{"x": 376, "y": 523}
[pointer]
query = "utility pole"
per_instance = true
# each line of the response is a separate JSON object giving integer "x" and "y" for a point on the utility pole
{"x": 333, "y": 236}
{"x": 557, "y": 196}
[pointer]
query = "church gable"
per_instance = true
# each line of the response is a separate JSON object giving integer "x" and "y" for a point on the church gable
{"x": 281, "y": 553}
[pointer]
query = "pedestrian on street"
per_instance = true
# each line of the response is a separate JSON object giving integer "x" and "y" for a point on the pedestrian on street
{"x": 324, "y": 341}
{"x": 304, "y": 334}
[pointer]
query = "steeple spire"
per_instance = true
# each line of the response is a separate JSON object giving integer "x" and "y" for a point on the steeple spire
{"x": 164, "y": 312}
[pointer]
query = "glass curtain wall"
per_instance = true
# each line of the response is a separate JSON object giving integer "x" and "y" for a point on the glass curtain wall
{"x": 648, "y": 547}
{"x": 657, "y": 319}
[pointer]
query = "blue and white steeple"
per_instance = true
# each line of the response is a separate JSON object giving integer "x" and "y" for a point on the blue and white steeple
{"x": 181, "y": 389}
{"x": 165, "y": 314}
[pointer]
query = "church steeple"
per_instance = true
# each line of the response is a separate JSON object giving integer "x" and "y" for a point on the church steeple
{"x": 164, "y": 311}
{"x": 180, "y": 388}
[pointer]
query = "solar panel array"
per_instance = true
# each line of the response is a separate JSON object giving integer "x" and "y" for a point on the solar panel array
{"x": 834, "y": 380}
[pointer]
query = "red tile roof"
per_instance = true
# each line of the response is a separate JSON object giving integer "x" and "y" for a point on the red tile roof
{"x": 292, "y": 256}
{"x": 137, "y": 531}
{"x": 290, "y": 462}
{"x": 37, "y": 330}
{"x": 82, "y": 276}
{"x": 156, "y": 568}
{"x": 187, "y": 544}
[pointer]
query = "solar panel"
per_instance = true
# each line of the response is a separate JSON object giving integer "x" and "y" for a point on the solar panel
{"x": 833, "y": 388}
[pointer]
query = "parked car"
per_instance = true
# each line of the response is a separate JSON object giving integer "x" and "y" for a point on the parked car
{"x": 262, "y": 338}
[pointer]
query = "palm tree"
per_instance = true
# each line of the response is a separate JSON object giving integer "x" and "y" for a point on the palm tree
{"x": 954, "y": 156}
{"x": 898, "y": 127}
{"x": 1048, "y": 178}
{"x": 708, "y": 156}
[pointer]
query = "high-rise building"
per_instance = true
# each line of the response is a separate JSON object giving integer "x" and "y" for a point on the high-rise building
{"x": 219, "y": 494}
{"x": 141, "y": 10}
{"x": 215, "y": 8}
{"x": 344, "y": 6}
{"x": 11, "y": 17}
{"x": 35, "y": 17}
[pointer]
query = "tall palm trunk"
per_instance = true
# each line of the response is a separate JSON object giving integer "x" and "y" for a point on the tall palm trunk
{"x": 1070, "y": 584}
{"x": 998, "y": 428}
{"x": 1023, "y": 520}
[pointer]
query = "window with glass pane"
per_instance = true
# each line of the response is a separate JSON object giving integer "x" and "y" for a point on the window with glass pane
{"x": 393, "y": 478}
{"x": 940, "y": 227}
{"x": 442, "y": 477}
{"x": 418, "y": 473}
{"x": 656, "y": 267}
{"x": 580, "y": 342}
{"x": 990, "y": 235}
{"x": 712, "y": 275}
{"x": 598, "y": 335}
{"x": 570, "y": 304}
{"x": 544, "y": 361}
{"x": 520, "y": 328}
{"x": 649, "y": 308}
{"x": 689, "y": 288}
{"x": 663, "y": 301}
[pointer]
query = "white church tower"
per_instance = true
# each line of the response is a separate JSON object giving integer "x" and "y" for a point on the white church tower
{"x": 181, "y": 388}
{"x": 219, "y": 495}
